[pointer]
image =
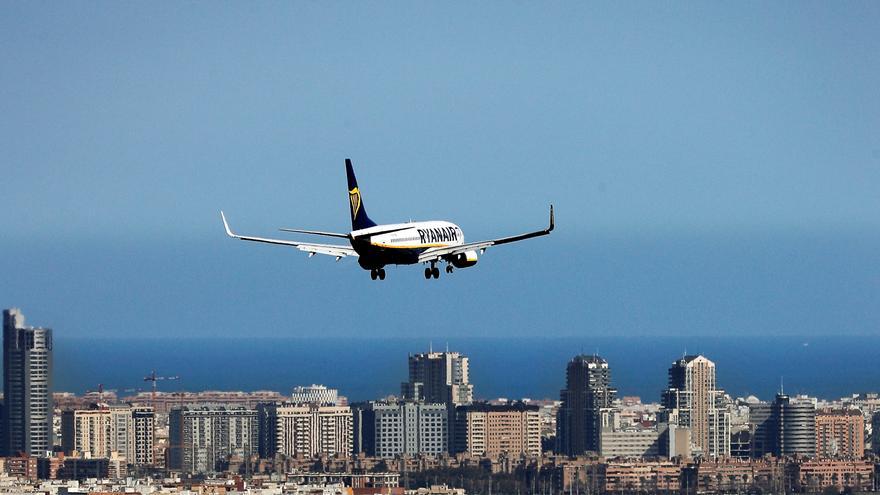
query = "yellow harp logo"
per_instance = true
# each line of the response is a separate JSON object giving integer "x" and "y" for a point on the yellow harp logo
{"x": 354, "y": 196}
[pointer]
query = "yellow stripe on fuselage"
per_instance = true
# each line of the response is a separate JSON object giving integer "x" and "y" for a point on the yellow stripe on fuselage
{"x": 415, "y": 246}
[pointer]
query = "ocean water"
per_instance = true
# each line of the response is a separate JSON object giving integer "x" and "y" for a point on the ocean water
{"x": 827, "y": 367}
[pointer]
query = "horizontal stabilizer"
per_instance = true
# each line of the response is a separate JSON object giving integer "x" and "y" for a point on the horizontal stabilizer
{"x": 315, "y": 232}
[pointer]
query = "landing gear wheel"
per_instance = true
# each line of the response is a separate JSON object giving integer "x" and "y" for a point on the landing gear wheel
{"x": 435, "y": 272}
{"x": 373, "y": 274}
{"x": 448, "y": 268}
{"x": 381, "y": 274}
{"x": 428, "y": 273}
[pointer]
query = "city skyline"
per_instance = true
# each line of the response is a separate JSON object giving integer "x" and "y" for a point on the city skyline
{"x": 435, "y": 424}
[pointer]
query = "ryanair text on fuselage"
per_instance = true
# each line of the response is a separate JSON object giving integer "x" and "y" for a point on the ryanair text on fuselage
{"x": 442, "y": 234}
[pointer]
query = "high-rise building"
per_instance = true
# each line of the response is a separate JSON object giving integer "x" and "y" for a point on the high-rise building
{"x": 761, "y": 426}
{"x": 693, "y": 400}
{"x": 203, "y": 437}
{"x": 304, "y": 429}
{"x": 99, "y": 432}
{"x": 27, "y": 387}
{"x": 86, "y": 432}
{"x": 144, "y": 434}
{"x": 363, "y": 429}
{"x": 719, "y": 431}
{"x": 840, "y": 434}
{"x": 389, "y": 429}
{"x": 106, "y": 430}
{"x": 122, "y": 432}
{"x": 796, "y": 425}
{"x": 488, "y": 430}
{"x": 587, "y": 391}
{"x": 438, "y": 378}
{"x": 783, "y": 428}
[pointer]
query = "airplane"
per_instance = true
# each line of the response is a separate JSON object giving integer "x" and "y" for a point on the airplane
{"x": 377, "y": 246}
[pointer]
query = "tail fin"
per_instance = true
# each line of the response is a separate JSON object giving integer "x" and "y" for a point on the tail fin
{"x": 359, "y": 218}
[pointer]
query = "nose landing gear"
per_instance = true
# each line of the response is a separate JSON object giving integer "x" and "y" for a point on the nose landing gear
{"x": 377, "y": 273}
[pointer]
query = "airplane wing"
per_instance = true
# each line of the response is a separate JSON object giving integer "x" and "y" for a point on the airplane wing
{"x": 436, "y": 254}
{"x": 308, "y": 247}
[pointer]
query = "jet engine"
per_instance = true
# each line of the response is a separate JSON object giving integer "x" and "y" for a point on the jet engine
{"x": 464, "y": 260}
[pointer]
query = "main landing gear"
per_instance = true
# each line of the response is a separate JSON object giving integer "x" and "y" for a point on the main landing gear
{"x": 434, "y": 272}
{"x": 377, "y": 273}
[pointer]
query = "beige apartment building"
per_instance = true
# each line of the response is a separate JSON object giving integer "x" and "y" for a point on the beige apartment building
{"x": 305, "y": 429}
{"x": 840, "y": 434}
{"x": 693, "y": 400}
{"x": 491, "y": 430}
{"x": 100, "y": 432}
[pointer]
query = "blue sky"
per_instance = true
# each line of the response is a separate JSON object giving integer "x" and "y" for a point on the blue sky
{"x": 715, "y": 167}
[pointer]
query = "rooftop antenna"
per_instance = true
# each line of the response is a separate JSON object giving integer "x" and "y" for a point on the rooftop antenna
{"x": 430, "y": 346}
{"x": 781, "y": 385}
{"x": 447, "y": 347}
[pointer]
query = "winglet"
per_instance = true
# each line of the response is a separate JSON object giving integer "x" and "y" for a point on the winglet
{"x": 552, "y": 222}
{"x": 226, "y": 225}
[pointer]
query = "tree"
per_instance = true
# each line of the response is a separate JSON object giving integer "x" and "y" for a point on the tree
{"x": 830, "y": 490}
{"x": 380, "y": 467}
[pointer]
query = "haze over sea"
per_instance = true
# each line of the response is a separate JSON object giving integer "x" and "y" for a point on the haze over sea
{"x": 369, "y": 368}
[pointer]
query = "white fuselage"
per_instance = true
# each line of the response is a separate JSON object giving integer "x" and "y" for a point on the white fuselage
{"x": 401, "y": 243}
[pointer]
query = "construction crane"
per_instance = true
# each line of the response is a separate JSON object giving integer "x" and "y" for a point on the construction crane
{"x": 155, "y": 379}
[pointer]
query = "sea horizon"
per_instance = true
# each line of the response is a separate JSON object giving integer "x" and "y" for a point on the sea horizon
{"x": 828, "y": 367}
